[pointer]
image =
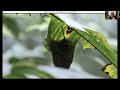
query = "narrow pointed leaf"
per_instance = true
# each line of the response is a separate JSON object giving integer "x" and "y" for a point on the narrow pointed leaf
{"x": 94, "y": 38}
{"x": 89, "y": 38}
{"x": 100, "y": 45}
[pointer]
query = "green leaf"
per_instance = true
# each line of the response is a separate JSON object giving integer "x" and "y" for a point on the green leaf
{"x": 14, "y": 76}
{"x": 89, "y": 38}
{"x": 86, "y": 44}
{"x": 46, "y": 43}
{"x": 26, "y": 66}
{"x": 23, "y": 70}
{"x": 27, "y": 61}
{"x": 100, "y": 44}
{"x": 12, "y": 25}
{"x": 94, "y": 38}
{"x": 61, "y": 41}
{"x": 110, "y": 70}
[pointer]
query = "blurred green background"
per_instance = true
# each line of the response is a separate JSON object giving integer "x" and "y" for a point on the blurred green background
{"x": 24, "y": 55}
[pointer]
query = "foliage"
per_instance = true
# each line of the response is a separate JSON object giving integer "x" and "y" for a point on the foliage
{"x": 95, "y": 38}
{"x": 24, "y": 55}
{"x": 111, "y": 71}
{"x": 61, "y": 43}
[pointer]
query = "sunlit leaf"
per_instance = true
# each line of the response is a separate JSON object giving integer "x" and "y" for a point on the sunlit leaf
{"x": 63, "y": 35}
{"x": 111, "y": 71}
{"x": 61, "y": 41}
{"x": 72, "y": 36}
{"x": 100, "y": 45}
{"x": 94, "y": 38}
{"x": 86, "y": 44}
{"x": 89, "y": 38}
